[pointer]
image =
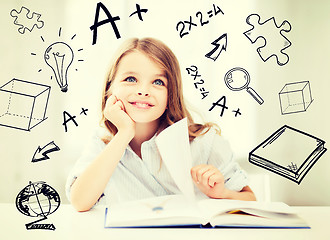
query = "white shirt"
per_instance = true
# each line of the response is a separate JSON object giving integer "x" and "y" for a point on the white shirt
{"x": 135, "y": 178}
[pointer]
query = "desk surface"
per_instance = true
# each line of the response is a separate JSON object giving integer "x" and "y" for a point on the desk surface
{"x": 89, "y": 225}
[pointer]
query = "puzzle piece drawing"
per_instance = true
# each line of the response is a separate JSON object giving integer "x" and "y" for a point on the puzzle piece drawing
{"x": 274, "y": 41}
{"x": 25, "y": 20}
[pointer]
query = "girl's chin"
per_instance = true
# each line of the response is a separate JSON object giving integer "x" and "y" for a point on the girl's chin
{"x": 144, "y": 119}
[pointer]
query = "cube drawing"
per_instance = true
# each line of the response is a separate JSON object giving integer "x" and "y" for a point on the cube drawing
{"x": 23, "y": 104}
{"x": 295, "y": 97}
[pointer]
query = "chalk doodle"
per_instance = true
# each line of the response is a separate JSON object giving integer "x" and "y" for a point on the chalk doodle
{"x": 25, "y": 20}
{"x": 220, "y": 44}
{"x": 185, "y": 27}
{"x": 38, "y": 199}
{"x": 295, "y": 97}
{"x": 273, "y": 35}
{"x": 41, "y": 153}
{"x": 193, "y": 71}
{"x": 112, "y": 20}
{"x": 237, "y": 79}
{"x": 292, "y": 166}
{"x": 222, "y": 102}
{"x": 59, "y": 57}
{"x": 138, "y": 12}
{"x": 67, "y": 117}
{"x": 23, "y": 104}
{"x": 237, "y": 112}
{"x": 288, "y": 152}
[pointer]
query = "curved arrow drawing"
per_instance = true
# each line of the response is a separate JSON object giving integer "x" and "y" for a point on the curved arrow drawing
{"x": 220, "y": 44}
{"x": 41, "y": 153}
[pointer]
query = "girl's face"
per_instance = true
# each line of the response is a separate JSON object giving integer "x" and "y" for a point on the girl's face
{"x": 141, "y": 84}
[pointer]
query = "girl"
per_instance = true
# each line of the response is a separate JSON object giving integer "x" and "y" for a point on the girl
{"x": 141, "y": 97}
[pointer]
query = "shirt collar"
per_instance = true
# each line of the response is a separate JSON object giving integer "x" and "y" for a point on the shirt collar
{"x": 149, "y": 143}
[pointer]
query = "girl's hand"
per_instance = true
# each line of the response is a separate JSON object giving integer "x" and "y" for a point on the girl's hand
{"x": 115, "y": 112}
{"x": 209, "y": 180}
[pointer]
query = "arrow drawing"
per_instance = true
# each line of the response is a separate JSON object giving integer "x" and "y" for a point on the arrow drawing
{"x": 41, "y": 153}
{"x": 220, "y": 44}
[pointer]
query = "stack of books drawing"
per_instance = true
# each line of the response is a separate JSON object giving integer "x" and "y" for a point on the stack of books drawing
{"x": 288, "y": 152}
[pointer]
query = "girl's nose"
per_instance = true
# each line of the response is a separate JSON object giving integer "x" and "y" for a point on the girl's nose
{"x": 143, "y": 90}
{"x": 140, "y": 93}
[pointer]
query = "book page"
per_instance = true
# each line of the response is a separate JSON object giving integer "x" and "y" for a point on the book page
{"x": 213, "y": 207}
{"x": 156, "y": 211}
{"x": 247, "y": 220}
{"x": 174, "y": 148}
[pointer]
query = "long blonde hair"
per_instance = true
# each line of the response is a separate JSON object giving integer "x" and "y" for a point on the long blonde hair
{"x": 176, "y": 108}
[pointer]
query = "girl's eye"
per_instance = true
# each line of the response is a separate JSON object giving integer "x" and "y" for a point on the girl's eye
{"x": 130, "y": 79}
{"x": 159, "y": 82}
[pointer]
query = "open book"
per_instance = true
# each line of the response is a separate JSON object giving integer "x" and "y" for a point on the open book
{"x": 177, "y": 211}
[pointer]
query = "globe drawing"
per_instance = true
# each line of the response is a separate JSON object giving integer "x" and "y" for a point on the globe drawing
{"x": 37, "y": 199}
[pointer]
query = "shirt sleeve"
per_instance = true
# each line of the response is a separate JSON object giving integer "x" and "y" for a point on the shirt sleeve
{"x": 94, "y": 146}
{"x": 222, "y": 157}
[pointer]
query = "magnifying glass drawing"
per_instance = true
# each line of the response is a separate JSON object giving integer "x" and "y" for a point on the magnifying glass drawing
{"x": 237, "y": 79}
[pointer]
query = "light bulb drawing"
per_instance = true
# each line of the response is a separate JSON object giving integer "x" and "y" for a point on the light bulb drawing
{"x": 59, "y": 57}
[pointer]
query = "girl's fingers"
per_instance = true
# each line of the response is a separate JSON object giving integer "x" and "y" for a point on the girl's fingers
{"x": 113, "y": 107}
{"x": 202, "y": 174}
{"x": 198, "y": 171}
{"x": 120, "y": 105}
{"x": 194, "y": 173}
{"x": 215, "y": 178}
{"x": 206, "y": 177}
{"x": 112, "y": 100}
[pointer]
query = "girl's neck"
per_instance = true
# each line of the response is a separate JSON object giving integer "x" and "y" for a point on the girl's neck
{"x": 143, "y": 132}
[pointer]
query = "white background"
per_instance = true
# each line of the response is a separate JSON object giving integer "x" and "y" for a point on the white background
{"x": 309, "y": 60}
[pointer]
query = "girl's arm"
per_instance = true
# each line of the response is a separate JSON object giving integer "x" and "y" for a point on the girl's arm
{"x": 89, "y": 186}
{"x": 210, "y": 181}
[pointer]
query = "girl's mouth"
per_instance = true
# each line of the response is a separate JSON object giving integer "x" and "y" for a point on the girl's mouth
{"x": 141, "y": 105}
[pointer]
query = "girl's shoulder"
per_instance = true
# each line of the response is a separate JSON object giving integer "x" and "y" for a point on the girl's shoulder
{"x": 205, "y": 140}
{"x": 211, "y": 147}
{"x": 208, "y": 136}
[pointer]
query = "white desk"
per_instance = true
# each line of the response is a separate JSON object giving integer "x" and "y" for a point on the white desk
{"x": 89, "y": 225}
